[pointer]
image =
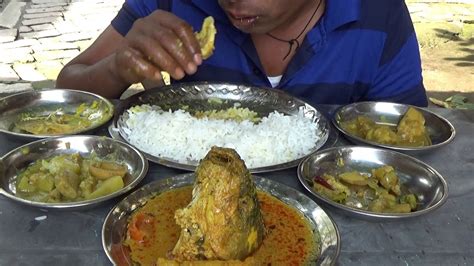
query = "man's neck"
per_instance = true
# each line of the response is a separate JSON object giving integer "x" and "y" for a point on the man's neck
{"x": 275, "y": 55}
{"x": 302, "y": 17}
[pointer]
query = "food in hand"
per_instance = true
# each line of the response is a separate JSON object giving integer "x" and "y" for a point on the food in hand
{"x": 206, "y": 37}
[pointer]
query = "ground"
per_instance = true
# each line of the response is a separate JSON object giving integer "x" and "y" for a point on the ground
{"x": 37, "y": 37}
{"x": 445, "y": 32}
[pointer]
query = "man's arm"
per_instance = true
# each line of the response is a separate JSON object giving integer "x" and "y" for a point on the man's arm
{"x": 398, "y": 78}
{"x": 94, "y": 69}
{"x": 159, "y": 42}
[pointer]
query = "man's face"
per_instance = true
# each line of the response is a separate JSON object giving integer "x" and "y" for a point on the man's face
{"x": 261, "y": 16}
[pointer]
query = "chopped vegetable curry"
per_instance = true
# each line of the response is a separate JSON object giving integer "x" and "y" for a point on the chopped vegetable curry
{"x": 410, "y": 131}
{"x": 152, "y": 232}
{"x": 61, "y": 122}
{"x": 69, "y": 178}
{"x": 237, "y": 114}
{"x": 379, "y": 191}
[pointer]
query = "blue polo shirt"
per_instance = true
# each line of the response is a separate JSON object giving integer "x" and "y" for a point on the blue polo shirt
{"x": 360, "y": 50}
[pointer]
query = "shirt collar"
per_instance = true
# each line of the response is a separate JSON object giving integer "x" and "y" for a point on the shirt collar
{"x": 340, "y": 12}
{"x": 212, "y": 8}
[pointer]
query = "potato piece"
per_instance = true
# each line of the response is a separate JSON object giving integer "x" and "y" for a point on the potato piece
{"x": 67, "y": 183}
{"x": 377, "y": 205}
{"x": 45, "y": 183}
{"x": 112, "y": 166}
{"x": 104, "y": 170}
{"x": 87, "y": 185}
{"x": 354, "y": 178}
{"x": 412, "y": 130}
{"x": 382, "y": 134}
{"x": 24, "y": 185}
{"x": 399, "y": 208}
{"x": 338, "y": 193}
{"x": 388, "y": 178}
{"x": 107, "y": 187}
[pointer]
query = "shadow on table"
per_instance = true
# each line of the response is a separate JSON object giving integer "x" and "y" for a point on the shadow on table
{"x": 466, "y": 46}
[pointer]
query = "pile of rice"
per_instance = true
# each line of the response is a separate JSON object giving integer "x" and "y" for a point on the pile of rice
{"x": 180, "y": 136}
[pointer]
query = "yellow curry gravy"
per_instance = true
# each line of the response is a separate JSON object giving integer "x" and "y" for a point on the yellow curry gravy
{"x": 289, "y": 239}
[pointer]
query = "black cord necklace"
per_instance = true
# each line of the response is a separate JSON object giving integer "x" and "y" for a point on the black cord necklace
{"x": 295, "y": 40}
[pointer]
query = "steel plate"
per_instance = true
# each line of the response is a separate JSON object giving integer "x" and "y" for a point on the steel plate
{"x": 20, "y": 158}
{"x": 419, "y": 178}
{"x": 440, "y": 129}
{"x": 196, "y": 97}
{"x": 42, "y": 102}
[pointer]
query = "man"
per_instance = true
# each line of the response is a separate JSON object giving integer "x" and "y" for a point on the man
{"x": 323, "y": 51}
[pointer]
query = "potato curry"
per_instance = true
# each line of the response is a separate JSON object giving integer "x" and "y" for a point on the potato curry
{"x": 410, "y": 130}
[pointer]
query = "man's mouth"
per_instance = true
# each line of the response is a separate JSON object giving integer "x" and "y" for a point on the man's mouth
{"x": 242, "y": 20}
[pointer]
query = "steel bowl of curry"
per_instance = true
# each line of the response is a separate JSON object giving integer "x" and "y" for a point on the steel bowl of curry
{"x": 372, "y": 183}
{"x": 399, "y": 127}
{"x": 52, "y": 112}
{"x": 71, "y": 172}
{"x": 142, "y": 230}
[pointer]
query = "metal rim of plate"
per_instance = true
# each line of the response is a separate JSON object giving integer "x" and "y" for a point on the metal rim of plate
{"x": 76, "y": 205}
{"x": 115, "y": 224}
{"x": 36, "y": 93}
{"x": 368, "y": 215}
{"x": 227, "y": 91}
{"x": 358, "y": 140}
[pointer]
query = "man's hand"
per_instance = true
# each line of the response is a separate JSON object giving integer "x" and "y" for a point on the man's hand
{"x": 159, "y": 42}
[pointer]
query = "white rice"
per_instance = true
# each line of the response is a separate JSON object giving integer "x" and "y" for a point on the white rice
{"x": 178, "y": 135}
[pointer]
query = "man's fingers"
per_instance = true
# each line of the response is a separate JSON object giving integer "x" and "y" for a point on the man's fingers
{"x": 160, "y": 42}
{"x": 134, "y": 67}
{"x": 157, "y": 55}
{"x": 175, "y": 48}
{"x": 184, "y": 32}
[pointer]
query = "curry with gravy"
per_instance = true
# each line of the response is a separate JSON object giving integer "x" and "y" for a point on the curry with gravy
{"x": 152, "y": 232}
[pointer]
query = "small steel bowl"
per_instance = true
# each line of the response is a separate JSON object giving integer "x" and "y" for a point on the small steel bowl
{"x": 115, "y": 224}
{"x": 20, "y": 158}
{"x": 43, "y": 102}
{"x": 441, "y": 131}
{"x": 417, "y": 177}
